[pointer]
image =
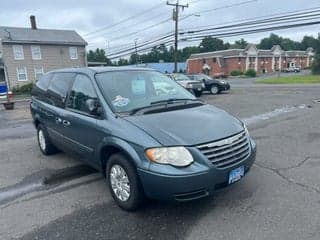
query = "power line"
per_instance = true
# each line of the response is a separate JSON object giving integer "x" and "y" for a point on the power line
{"x": 239, "y": 21}
{"x": 247, "y": 25}
{"x": 232, "y": 31}
{"x": 127, "y": 27}
{"x": 219, "y": 8}
{"x": 156, "y": 38}
{"x": 141, "y": 30}
{"x": 168, "y": 19}
{"x": 154, "y": 43}
{"x": 246, "y": 32}
{"x": 124, "y": 20}
{"x": 167, "y": 43}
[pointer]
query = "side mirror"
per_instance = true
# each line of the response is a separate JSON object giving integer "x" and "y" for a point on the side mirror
{"x": 93, "y": 107}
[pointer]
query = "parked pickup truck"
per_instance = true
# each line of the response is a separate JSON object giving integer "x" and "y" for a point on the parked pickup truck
{"x": 193, "y": 86}
{"x": 291, "y": 69}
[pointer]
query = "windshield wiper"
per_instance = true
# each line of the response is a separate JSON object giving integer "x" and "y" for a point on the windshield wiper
{"x": 172, "y": 100}
{"x": 134, "y": 111}
{"x": 163, "y": 103}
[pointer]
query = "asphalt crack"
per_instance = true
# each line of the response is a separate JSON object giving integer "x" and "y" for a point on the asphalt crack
{"x": 288, "y": 179}
{"x": 300, "y": 164}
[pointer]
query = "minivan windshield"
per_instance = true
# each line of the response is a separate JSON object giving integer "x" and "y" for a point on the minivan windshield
{"x": 129, "y": 90}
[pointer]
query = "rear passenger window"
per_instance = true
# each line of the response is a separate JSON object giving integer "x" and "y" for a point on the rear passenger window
{"x": 58, "y": 88}
{"x": 81, "y": 91}
{"x": 44, "y": 81}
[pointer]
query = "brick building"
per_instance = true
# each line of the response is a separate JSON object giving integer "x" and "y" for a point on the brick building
{"x": 261, "y": 60}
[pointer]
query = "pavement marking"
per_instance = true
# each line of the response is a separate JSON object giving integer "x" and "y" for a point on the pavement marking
{"x": 272, "y": 114}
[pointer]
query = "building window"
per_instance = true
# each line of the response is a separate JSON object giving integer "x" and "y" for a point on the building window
{"x": 22, "y": 74}
{"x": 203, "y": 61}
{"x": 73, "y": 51}
{"x": 38, "y": 72}
{"x": 18, "y": 52}
{"x": 214, "y": 60}
{"x": 36, "y": 52}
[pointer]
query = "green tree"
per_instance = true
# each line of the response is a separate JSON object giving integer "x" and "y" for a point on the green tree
{"x": 209, "y": 44}
{"x": 240, "y": 44}
{"x": 122, "y": 62}
{"x": 99, "y": 55}
{"x": 269, "y": 42}
{"x": 309, "y": 41}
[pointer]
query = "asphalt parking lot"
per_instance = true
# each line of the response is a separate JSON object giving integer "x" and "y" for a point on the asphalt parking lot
{"x": 57, "y": 197}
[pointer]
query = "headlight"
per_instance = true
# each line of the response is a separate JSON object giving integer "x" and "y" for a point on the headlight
{"x": 176, "y": 156}
{"x": 189, "y": 85}
{"x": 246, "y": 130}
{"x": 203, "y": 86}
{"x": 223, "y": 82}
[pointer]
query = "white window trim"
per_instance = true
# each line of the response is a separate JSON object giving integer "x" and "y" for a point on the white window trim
{"x": 14, "y": 52}
{"x": 32, "y": 54}
{"x": 70, "y": 53}
{"x": 35, "y": 72}
{"x": 24, "y": 80}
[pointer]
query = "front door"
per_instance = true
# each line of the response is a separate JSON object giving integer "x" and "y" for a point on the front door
{"x": 80, "y": 126}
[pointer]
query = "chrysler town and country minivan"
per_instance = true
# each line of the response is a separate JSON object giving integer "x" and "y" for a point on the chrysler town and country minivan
{"x": 149, "y": 136}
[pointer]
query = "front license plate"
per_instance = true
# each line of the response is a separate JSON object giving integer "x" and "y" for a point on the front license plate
{"x": 236, "y": 174}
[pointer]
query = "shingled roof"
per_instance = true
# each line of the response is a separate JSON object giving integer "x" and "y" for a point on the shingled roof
{"x": 40, "y": 36}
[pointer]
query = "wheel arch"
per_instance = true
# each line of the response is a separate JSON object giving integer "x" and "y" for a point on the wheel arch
{"x": 117, "y": 146}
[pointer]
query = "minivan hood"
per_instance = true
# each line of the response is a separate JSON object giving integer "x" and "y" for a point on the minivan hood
{"x": 188, "y": 127}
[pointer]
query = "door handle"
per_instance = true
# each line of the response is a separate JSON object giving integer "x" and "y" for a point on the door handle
{"x": 66, "y": 122}
{"x": 58, "y": 120}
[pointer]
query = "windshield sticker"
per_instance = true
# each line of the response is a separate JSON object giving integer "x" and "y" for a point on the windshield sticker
{"x": 138, "y": 86}
{"x": 120, "y": 101}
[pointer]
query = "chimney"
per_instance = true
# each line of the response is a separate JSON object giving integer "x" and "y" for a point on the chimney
{"x": 33, "y": 22}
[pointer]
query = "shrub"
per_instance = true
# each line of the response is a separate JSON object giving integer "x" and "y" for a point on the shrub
{"x": 316, "y": 65}
{"x": 236, "y": 73}
{"x": 251, "y": 73}
{"x": 24, "y": 89}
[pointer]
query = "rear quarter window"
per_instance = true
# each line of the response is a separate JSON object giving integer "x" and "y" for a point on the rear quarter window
{"x": 39, "y": 90}
{"x": 58, "y": 88}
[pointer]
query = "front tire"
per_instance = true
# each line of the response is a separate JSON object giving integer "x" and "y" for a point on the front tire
{"x": 123, "y": 182}
{"x": 198, "y": 93}
{"x": 214, "y": 89}
{"x": 45, "y": 145}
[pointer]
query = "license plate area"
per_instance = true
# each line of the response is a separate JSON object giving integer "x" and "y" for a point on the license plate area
{"x": 236, "y": 174}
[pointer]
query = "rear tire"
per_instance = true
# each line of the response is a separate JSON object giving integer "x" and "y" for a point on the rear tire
{"x": 45, "y": 145}
{"x": 123, "y": 182}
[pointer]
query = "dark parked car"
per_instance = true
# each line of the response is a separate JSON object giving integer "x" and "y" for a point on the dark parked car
{"x": 165, "y": 145}
{"x": 211, "y": 85}
{"x": 193, "y": 86}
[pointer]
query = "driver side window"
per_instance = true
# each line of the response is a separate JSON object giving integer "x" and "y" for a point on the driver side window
{"x": 81, "y": 91}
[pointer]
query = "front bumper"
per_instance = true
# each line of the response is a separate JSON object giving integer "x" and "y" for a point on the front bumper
{"x": 225, "y": 87}
{"x": 192, "y": 185}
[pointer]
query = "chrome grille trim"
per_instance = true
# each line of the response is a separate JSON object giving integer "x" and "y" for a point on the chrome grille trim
{"x": 228, "y": 151}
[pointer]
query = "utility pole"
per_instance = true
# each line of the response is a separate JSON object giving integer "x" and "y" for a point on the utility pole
{"x": 136, "y": 50}
{"x": 176, "y": 19}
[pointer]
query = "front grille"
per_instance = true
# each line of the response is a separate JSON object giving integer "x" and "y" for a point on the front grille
{"x": 197, "y": 85}
{"x": 228, "y": 151}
